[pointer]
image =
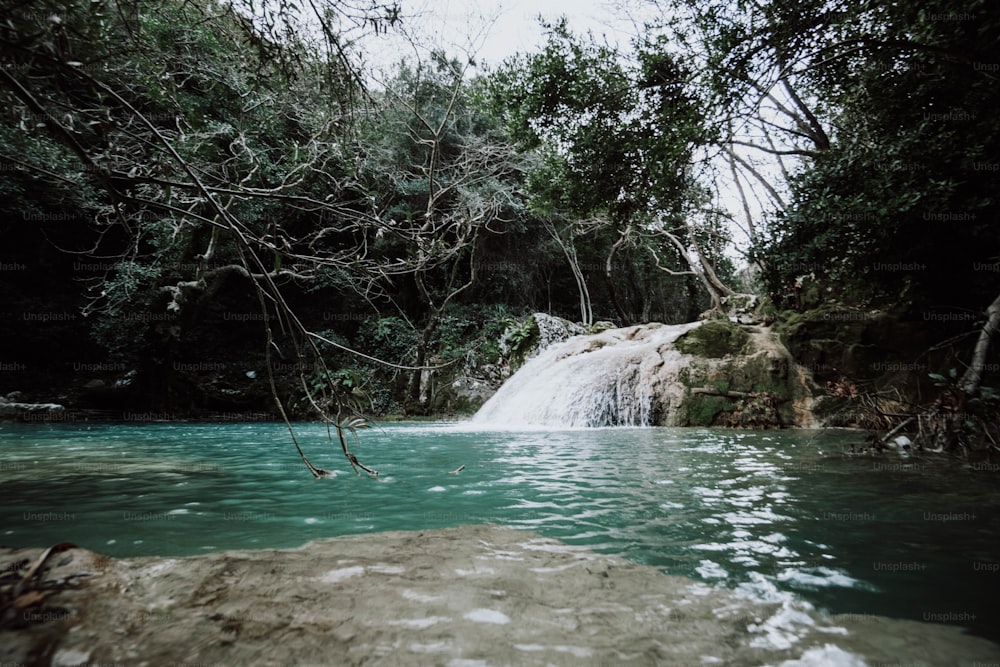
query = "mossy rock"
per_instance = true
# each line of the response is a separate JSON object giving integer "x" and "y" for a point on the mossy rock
{"x": 758, "y": 381}
{"x": 704, "y": 410}
{"x": 714, "y": 339}
{"x": 757, "y": 411}
{"x": 463, "y": 405}
{"x": 598, "y": 327}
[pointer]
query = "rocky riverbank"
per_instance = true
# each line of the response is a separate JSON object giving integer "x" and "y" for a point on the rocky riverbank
{"x": 12, "y": 409}
{"x": 473, "y": 595}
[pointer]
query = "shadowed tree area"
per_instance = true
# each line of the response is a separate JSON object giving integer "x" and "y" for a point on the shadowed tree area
{"x": 226, "y": 211}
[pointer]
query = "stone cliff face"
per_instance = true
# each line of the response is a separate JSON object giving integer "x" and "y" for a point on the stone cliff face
{"x": 713, "y": 373}
{"x": 742, "y": 376}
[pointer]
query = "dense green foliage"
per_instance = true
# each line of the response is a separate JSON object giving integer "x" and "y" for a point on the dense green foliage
{"x": 601, "y": 127}
{"x": 899, "y": 210}
{"x": 186, "y": 189}
{"x": 613, "y": 148}
{"x": 213, "y": 202}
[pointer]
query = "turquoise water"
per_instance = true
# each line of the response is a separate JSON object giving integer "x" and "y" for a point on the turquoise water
{"x": 775, "y": 512}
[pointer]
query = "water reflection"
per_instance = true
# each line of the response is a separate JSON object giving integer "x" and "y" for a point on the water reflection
{"x": 774, "y": 511}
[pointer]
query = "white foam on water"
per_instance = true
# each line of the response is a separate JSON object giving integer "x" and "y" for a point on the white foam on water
{"x": 826, "y": 656}
{"x": 419, "y": 597}
{"x": 555, "y": 568}
{"x": 575, "y": 651}
{"x": 782, "y": 630}
{"x": 333, "y": 576}
{"x": 487, "y": 616}
{"x": 823, "y": 577}
{"x": 711, "y": 570}
{"x": 606, "y": 379}
{"x": 429, "y": 647}
{"x": 420, "y": 623}
{"x": 551, "y": 546}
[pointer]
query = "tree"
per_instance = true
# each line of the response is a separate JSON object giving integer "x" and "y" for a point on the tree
{"x": 452, "y": 179}
{"x": 877, "y": 107}
{"x": 911, "y": 126}
{"x": 741, "y": 59}
{"x": 568, "y": 248}
{"x": 891, "y": 204}
{"x": 615, "y": 145}
{"x": 178, "y": 144}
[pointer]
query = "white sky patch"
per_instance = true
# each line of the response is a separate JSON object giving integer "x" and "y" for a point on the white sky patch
{"x": 488, "y": 32}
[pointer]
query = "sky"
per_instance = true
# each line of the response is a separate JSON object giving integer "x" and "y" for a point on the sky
{"x": 493, "y": 30}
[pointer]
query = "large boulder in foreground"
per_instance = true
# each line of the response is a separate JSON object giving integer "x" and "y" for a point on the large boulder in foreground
{"x": 474, "y": 595}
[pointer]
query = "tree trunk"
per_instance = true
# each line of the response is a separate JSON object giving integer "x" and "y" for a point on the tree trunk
{"x": 700, "y": 267}
{"x": 619, "y": 309}
{"x": 413, "y": 393}
{"x": 974, "y": 373}
{"x": 586, "y": 310}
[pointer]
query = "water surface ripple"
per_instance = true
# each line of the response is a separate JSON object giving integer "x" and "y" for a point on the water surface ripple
{"x": 772, "y": 512}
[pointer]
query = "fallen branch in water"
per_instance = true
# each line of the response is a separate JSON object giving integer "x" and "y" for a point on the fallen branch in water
{"x": 352, "y": 425}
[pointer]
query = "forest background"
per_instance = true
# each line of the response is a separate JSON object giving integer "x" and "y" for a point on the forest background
{"x": 205, "y": 206}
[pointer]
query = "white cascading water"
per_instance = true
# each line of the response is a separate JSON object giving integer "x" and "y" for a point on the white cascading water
{"x": 619, "y": 377}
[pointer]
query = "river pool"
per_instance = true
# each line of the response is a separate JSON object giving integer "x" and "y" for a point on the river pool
{"x": 777, "y": 513}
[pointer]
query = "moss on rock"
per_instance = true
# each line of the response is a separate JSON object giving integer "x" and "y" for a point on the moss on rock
{"x": 704, "y": 410}
{"x": 519, "y": 339}
{"x": 598, "y": 327}
{"x": 714, "y": 339}
{"x": 834, "y": 341}
{"x": 755, "y": 386}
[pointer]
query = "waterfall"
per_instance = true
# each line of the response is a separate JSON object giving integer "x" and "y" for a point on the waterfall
{"x": 619, "y": 377}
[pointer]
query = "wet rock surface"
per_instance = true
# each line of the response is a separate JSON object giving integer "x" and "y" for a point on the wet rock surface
{"x": 714, "y": 373}
{"x": 474, "y": 595}
{"x": 17, "y": 410}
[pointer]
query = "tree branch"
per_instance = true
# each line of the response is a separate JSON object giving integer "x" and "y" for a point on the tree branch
{"x": 973, "y": 375}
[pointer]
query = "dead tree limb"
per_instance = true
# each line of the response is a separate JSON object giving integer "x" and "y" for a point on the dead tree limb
{"x": 973, "y": 375}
